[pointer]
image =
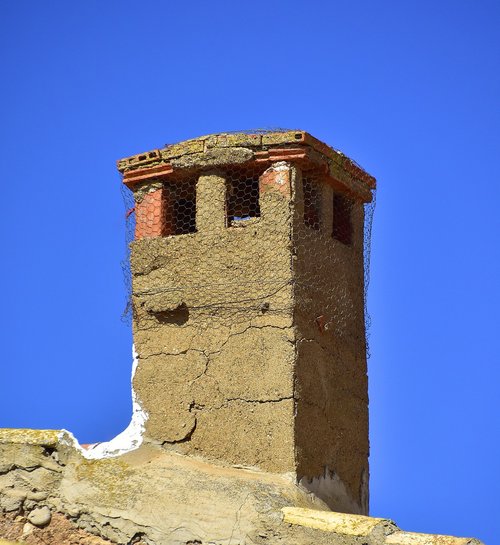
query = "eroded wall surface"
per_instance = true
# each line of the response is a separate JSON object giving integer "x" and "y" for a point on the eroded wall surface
{"x": 214, "y": 333}
{"x": 146, "y": 497}
{"x": 331, "y": 425}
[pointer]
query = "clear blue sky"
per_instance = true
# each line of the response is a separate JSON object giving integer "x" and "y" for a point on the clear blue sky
{"x": 408, "y": 89}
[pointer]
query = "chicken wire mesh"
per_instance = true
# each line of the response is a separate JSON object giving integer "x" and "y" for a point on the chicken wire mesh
{"x": 232, "y": 250}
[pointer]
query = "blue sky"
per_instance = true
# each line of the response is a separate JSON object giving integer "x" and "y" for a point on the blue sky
{"x": 408, "y": 89}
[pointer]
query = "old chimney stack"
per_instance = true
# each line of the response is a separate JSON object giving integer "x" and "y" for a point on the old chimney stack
{"x": 248, "y": 306}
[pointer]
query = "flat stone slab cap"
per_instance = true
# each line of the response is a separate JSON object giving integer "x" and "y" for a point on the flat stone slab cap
{"x": 412, "y": 538}
{"x": 235, "y": 148}
{"x": 44, "y": 438}
{"x": 344, "y": 524}
{"x": 6, "y": 542}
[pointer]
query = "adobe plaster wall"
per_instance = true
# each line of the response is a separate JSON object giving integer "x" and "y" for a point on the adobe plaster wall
{"x": 214, "y": 334}
{"x": 331, "y": 424}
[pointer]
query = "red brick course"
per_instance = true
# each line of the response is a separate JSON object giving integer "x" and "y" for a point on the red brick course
{"x": 151, "y": 215}
{"x": 275, "y": 180}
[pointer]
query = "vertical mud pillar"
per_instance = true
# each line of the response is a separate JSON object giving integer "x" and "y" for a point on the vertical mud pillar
{"x": 276, "y": 179}
{"x": 275, "y": 192}
{"x": 150, "y": 217}
{"x": 153, "y": 214}
{"x": 211, "y": 202}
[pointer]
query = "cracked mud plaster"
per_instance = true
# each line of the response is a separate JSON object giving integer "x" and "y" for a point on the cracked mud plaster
{"x": 331, "y": 426}
{"x": 207, "y": 397}
{"x": 221, "y": 383}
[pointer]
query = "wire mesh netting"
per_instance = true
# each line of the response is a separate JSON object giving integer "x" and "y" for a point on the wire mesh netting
{"x": 241, "y": 240}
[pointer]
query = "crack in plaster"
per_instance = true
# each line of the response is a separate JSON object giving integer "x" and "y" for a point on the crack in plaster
{"x": 278, "y": 400}
{"x": 237, "y": 522}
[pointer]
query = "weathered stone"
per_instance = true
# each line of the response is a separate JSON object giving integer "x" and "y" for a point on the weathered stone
{"x": 41, "y": 438}
{"x": 11, "y": 500}
{"x": 28, "y": 455}
{"x": 214, "y": 157}
{"x": 371, "y": 528}
{"x": 28, "y": 529}
{"x": 37, "y": 496}
{"x": 285, "y": 137}
{"x": 183, "y": 148}
{"x": 40, "y": 516}
{"x": 238, "y": 139}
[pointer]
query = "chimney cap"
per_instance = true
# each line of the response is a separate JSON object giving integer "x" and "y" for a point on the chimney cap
{"x": 261, "y": 146}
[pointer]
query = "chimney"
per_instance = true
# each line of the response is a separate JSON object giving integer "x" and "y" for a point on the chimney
{"x": 249, "y": 306}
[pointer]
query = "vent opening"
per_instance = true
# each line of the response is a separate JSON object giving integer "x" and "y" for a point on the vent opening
{"x": 242, "y": 202}
{"x": 181, "y": 208}
{"x": 342, "y": 218}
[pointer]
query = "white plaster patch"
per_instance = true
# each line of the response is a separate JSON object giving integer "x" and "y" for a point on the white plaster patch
{"x": 129, "y": 439}
{"x": 333, "y": 492}
{"x": 279, "y": 166}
